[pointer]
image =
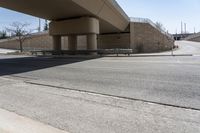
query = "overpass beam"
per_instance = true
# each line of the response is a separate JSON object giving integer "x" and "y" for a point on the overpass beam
{"x": 56, "y": 43}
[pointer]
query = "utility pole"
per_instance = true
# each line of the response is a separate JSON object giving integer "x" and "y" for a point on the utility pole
{"x": 172, "y": 52}
{"x": 185, "y": 25}
{"x": 39, "y": 27}
{"x": 181, "y": 27}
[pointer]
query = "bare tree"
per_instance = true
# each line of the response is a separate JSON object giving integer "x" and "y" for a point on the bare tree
{"x": 19, "y": 30}
{"x": 3, "y": 35}
{"x": 160, "y": 26}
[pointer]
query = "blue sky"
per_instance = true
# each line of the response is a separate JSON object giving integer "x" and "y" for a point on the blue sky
{"x": 7, "y": 17}
{"x": 169, "y": 12}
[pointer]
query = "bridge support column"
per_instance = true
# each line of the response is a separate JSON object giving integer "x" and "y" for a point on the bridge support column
{"x": 72, "y": 42}
{"x": 92, "y": 42}
{"x": 57, "y": 43}
{"x": 80, "y": 26}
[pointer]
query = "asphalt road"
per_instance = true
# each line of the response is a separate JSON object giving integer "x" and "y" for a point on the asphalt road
{"x": 127, "y": 94}
{"x": 172, "y": 81}
{"x": 82, "y": 112}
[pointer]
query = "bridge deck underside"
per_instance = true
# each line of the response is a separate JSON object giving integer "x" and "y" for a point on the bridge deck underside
{"x": 112, "y": 18}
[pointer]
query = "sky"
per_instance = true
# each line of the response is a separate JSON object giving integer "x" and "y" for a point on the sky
{"x": 168, "y": 12}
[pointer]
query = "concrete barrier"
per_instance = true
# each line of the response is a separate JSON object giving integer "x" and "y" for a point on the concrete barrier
{"x": 194, "y": 37}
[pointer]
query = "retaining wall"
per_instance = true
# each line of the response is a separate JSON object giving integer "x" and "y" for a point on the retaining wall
{"x": 146, "y": 38}
{"x": 40, "y": 42}
{"x": 110, "y": 41}
{"x": 143, "y": 37}
{"x": 195, "y": 38}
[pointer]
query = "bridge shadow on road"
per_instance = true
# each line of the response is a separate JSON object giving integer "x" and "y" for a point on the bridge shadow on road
{"x": 17, "y": 65}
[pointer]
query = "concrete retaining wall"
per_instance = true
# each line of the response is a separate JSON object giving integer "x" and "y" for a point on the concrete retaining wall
{"x": 40, "y": 42}
{"x": 110, "y": 41}
{"x": 195, "y": 39}
{"x": 146, "y": 38}
{"x": 143, "y": 37}
{"x": 44, "y": 42}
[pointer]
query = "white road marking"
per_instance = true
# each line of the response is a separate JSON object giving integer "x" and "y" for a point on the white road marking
{"x": 196, "y": 55}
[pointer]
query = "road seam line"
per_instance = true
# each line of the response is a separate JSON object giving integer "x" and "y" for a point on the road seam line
{"x": 114, "y": 96}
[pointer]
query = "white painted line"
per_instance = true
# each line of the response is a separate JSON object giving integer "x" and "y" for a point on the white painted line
{"x": 13, "y": 123}
{"x": 196, "y": 55}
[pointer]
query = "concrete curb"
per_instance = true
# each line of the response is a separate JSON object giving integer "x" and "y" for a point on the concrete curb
{"x": 111, "y": 55}
{"x": 98, "y": 56}
{"x": 162, "y": 55}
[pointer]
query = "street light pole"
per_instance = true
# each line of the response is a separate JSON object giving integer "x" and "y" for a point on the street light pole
{"x": 172, "y": 49}
{"x": 181, "y": 27}
{"x": 185, "y": 25}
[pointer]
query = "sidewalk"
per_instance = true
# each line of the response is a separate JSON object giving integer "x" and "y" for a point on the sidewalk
{"x": 13, "y": 123}
{"x": 5, "y": 51}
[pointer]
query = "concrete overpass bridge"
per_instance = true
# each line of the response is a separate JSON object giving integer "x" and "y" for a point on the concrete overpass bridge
{"x": 181, "y": 36}
{"x": 74, "y": 17}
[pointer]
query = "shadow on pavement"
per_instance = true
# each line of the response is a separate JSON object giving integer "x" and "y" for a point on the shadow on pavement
{"x": 16, "y": 65}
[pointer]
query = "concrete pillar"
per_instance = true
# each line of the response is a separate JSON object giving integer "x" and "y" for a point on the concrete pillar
{"x": 79, "y": 26}
{"x": 57, "y": 43}
{"x": 72, "y": 42}
{"x": 92, "y": 42}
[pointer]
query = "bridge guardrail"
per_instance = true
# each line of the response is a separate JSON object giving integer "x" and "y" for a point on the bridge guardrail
{"x": 84, "y": 52}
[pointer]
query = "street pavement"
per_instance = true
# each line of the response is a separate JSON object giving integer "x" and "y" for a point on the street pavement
{"x": 12, "y": 123}
{"x": 81, "y": 112}
{"x": 186, "y": 47}
{"x": 106, "y": 94}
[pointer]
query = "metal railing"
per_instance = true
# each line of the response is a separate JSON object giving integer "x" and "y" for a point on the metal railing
{"x": 84, "y": 52}
{"x": 146, "y": 20}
